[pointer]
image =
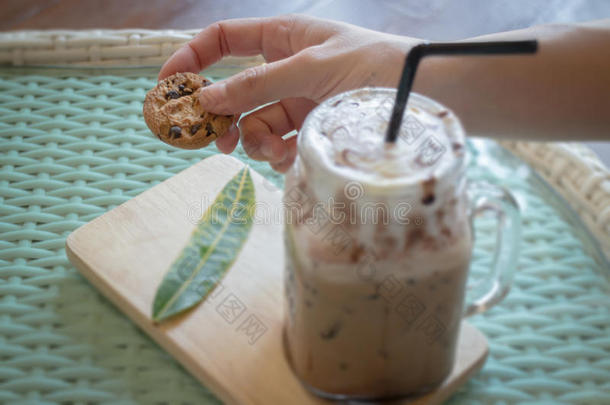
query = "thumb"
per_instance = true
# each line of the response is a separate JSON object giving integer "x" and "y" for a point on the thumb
{"x": 258, "y": 85}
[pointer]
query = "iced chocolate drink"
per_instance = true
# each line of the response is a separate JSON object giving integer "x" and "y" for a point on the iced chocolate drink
{"x": 378, "y": 244}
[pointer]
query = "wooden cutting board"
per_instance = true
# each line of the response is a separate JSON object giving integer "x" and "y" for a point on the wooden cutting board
{"x": 232, "y": 342}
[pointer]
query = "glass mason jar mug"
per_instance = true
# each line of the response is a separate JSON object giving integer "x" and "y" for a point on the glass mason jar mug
{"x": 378, "y": 246}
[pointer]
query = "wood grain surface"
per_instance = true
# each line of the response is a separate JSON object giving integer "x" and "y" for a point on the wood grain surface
{"x": 233, "y": 341}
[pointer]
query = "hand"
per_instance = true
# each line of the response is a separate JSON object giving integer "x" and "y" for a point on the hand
{"x": 308, "y": 60}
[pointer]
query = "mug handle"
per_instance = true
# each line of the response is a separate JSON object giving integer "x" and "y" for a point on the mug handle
{"x": 486, "y": 197}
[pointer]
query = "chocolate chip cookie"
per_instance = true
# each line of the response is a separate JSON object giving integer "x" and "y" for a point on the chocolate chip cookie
{"x": 173, "y": 113}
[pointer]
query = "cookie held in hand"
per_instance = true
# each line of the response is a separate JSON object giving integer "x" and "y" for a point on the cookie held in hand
{"x": 173, "y": 113}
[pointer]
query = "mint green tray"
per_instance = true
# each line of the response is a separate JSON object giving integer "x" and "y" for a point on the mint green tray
{"x": 73, "y": 145}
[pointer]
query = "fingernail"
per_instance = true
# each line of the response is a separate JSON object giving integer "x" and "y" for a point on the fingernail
{"x": 267, "y": 151}
{"x": 232, "y": 130}
{"x": 206, "y": 97}
{"x": 211, "y": 98}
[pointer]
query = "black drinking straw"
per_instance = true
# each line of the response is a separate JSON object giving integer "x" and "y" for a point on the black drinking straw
{"x": 439, "y": 48}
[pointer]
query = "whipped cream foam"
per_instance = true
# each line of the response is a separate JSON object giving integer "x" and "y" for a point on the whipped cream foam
{"x": 346, "y": 136}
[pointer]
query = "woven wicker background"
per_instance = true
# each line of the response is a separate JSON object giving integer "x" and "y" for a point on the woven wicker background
{"x": 73, "y": 145}
{"x": 96, "y": 47}
{"x": 579, "y": 176}
{"x": 134, "y": 47}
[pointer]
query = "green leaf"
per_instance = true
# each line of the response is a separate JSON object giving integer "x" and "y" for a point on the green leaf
{"x": 212, "y": 248}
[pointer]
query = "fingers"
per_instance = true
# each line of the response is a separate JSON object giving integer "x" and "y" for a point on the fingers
{"x": 239, "y": 37}
{"x": 291, "y": 152}
{"x": 262, "y": 131}
{"x": 258, "y": 85}
{"x": 228, "y": 142}
{"x": 297, "y": 109}
{"x": 274, "y": 38}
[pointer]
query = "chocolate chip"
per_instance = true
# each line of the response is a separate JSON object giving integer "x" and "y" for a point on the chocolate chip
{"x": 343, "y": 366}
{"x": 175, "y": 132}
{"x": 428, "y": 185}
{"x": 172, "y": 94}
{"x": 356, "y": 253}
{"x": 209, "y": 129}
{"x": 442, "y": 114}
{"x": 336, "y": 103}
{"x": 332, "y": 331}
{"x": 428, "y": 191}
{"x": 184, "y": 91}
{"x": 427, "y": 200}
{"x": 195, "y": 128}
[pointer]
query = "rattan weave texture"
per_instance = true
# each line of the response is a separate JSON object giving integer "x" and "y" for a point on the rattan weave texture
{"x": 129, "y": 47}
{"x": 73, "y": 145}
